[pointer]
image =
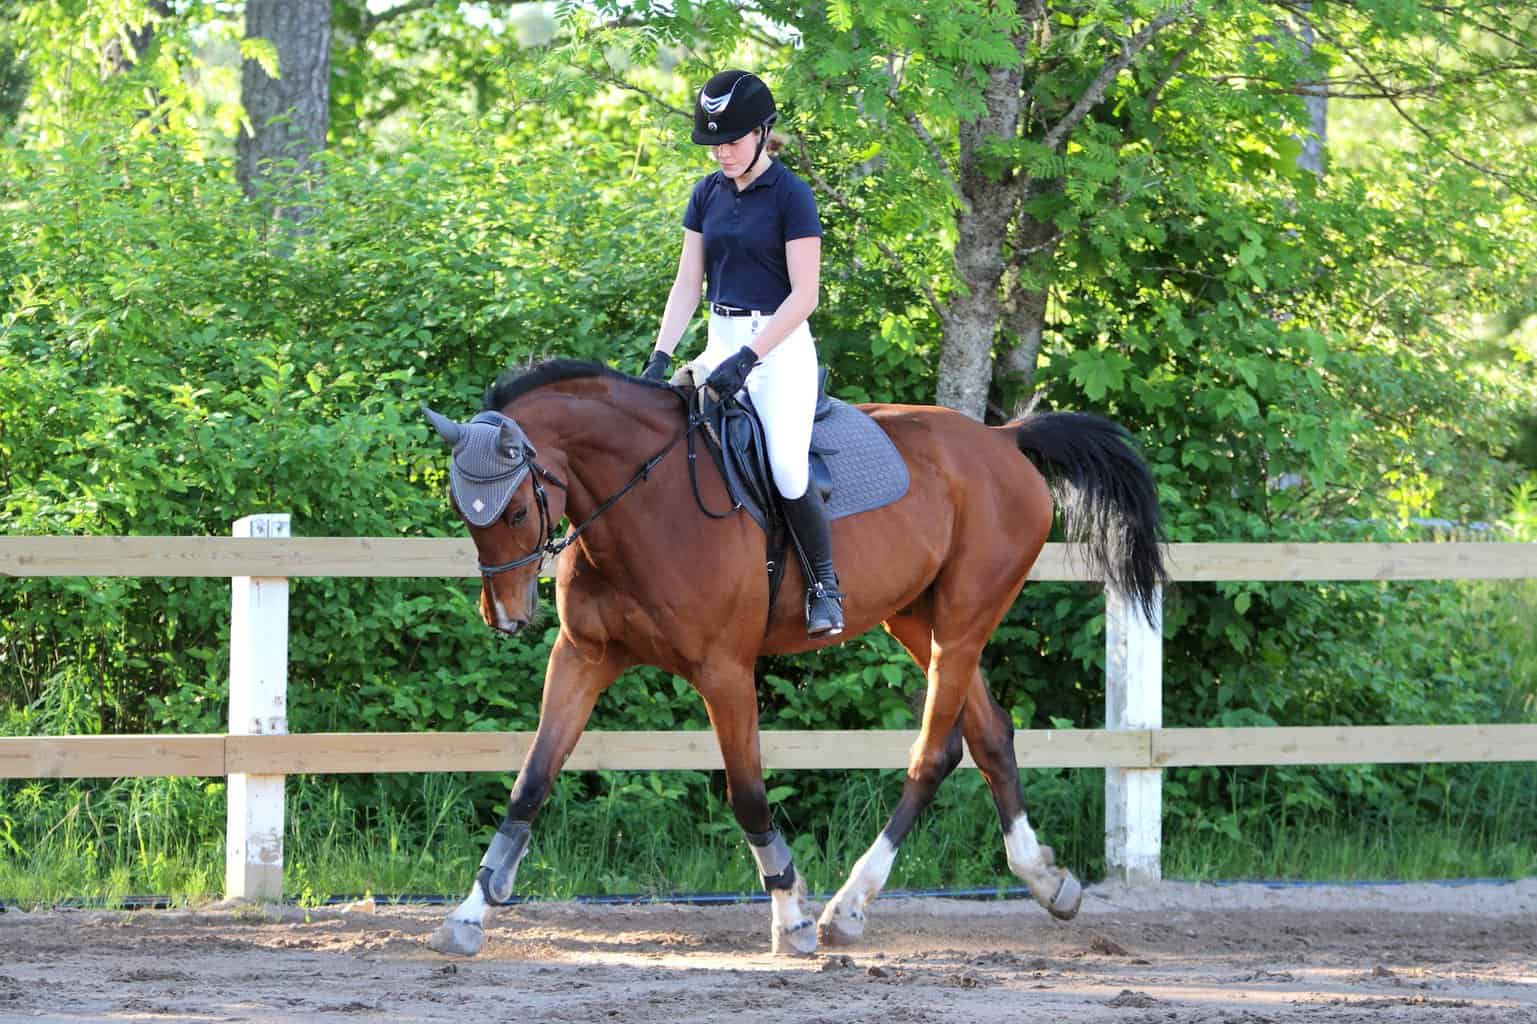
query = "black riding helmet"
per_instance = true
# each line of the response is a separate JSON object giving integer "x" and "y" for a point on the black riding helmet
{"x": 729, "y": 106}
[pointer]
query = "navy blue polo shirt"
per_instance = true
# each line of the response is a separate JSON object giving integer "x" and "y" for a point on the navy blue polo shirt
{"x": 745, "y": 234}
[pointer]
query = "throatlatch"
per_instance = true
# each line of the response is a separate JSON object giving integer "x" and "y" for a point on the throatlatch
{"x": 499, "y": 867}
{"x": 772, "y": 853}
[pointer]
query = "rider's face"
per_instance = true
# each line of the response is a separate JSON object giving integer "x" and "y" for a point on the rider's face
{"x": 735, "y": 158}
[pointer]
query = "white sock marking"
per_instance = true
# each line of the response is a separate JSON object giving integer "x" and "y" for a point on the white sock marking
{"x": 787, "y": 907}
{"x": 865, "y": 881}
{"x": 1024, "y": 852}
{"x": 473, "y": 909}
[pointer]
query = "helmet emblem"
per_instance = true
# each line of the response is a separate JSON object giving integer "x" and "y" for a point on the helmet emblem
{"x": 714, "y": 104}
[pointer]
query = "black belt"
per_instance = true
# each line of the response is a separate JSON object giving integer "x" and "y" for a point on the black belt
{"x": 723, "y": 310}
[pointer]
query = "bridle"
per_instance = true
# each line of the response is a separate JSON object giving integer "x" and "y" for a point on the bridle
{"x": 550, "y": 545}
{"x": 546, "y": 528}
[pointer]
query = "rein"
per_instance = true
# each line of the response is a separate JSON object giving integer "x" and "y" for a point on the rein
{"x": 551, "y": 545}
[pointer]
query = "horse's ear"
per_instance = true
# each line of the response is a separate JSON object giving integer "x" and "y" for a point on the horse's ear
{"x": 447, "y": 429}
{"x": 511, "y": 437}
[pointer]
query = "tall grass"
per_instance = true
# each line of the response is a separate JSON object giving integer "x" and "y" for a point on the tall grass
{"x": 631, "y": 833}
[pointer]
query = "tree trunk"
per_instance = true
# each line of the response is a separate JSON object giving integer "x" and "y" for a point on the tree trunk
{"x": 966, "y": 352}
{"x": 1024, "y": 308}
{"x": 1025, "y": 318}
{"x": 287, "y": 114}
{"x": 122, "y": 52}
{"x": 1313, "y": 145}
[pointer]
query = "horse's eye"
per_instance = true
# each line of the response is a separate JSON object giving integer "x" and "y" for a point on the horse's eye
{"x": 516, "y": 518}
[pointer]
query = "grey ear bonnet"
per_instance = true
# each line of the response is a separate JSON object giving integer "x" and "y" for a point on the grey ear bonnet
{"x": 490, "y": 459}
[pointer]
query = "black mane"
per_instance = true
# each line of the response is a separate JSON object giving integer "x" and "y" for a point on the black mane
{"x": 513, "y": 385}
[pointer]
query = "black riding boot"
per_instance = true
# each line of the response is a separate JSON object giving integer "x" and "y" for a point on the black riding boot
{"x": 824, "y": 602}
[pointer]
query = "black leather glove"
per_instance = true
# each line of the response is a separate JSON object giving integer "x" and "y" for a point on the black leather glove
{"x": 727, "y": 378}
{"x": 656, "y": 366}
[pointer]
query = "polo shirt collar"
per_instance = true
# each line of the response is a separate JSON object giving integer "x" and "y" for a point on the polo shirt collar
{"x": 767, "y": 179}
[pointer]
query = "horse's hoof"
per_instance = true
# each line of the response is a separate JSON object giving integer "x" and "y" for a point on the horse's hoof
{"x": 459, "y": 938}
{"x": 841, "y": 929}
{"x": 1064, "y": 905}
{"x": 799, "y": 939}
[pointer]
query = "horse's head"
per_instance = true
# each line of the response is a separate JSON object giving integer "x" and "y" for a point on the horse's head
{"x": 511, "y": 505}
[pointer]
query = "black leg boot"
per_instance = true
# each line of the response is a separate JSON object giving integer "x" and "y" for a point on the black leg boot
{"x": 824, "y": 602}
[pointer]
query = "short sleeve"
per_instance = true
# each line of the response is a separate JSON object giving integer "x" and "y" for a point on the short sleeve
{"x": 693, "y": 214}
{"x": 800, "y": 212}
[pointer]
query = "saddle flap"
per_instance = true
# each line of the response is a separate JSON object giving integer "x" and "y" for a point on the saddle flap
{"x": 853, "y": 463}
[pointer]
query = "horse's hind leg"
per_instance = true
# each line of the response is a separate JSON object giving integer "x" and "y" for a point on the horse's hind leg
{"x": 990, "y": 735}
{"x": 934, "y": 756}
{"x": 571, "y": 688}
{"x": 732, "y": 703}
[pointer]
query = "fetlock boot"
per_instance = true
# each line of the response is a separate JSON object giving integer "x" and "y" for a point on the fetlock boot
{"x": 824, "y": 602}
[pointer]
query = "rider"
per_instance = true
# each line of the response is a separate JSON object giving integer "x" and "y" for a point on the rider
{"x": 752, "y": 238}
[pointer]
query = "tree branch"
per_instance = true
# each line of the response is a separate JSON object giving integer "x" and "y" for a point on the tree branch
{"x": 827, "y": 188}
{"x": 1096, "y": 90}
{"x": 1332, "y": 88}
{"x": 1156, "y": 92}
{"x": 612, "y": 77}
{"x": 893, "y": 84}
{"x": 1511, "y": 180}
{"x": 372, "y": 20}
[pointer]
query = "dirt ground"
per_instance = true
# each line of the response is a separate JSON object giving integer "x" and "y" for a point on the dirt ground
{"x": 1249, "y": 954}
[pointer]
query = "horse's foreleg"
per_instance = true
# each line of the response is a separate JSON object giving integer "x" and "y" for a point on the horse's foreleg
{"x": 934, "y": 756}
{"x": 571, "y": 688}
{"x": 733, "y": 712}
{"x": 990, "y": 735}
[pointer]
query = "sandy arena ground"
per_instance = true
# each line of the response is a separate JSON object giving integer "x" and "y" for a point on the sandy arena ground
{"x": 1176, "y": 953}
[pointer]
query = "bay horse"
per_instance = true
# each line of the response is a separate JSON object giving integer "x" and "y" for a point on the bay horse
{"x": 645, "y": 577}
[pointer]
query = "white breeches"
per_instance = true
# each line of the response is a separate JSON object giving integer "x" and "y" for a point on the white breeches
{"x": 783, "y": 388}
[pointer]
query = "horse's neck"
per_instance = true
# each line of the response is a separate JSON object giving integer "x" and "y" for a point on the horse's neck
{"x": 605, "y": 438}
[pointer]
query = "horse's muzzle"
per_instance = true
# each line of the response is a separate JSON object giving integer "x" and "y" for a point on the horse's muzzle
{"x": 506, "y": 616}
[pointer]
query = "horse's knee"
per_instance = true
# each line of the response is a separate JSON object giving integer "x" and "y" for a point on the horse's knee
{"x": 929, "y": 768}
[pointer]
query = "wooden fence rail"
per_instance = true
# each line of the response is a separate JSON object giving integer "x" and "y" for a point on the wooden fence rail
{"x": 435, "y": 557}
{"x": 257, "y": 752}
{"x": 336, "y": 753}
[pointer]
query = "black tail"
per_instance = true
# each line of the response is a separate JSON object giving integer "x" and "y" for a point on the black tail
{"x": 1107, "y": 497}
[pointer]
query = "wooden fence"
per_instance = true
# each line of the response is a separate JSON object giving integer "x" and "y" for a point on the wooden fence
{"x": 1134, "y": 748}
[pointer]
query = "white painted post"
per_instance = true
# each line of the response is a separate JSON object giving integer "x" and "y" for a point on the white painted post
{"x": 1133, "y": 700}
{"x": 258, "y": 705}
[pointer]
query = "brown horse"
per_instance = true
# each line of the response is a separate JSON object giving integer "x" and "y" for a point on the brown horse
{"x": 649, "y": 579}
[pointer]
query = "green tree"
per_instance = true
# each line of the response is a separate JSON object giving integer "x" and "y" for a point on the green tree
{"x": 285, "y": 90}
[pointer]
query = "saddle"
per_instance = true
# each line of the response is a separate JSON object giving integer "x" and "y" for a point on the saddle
{"x": 854, "y": 465}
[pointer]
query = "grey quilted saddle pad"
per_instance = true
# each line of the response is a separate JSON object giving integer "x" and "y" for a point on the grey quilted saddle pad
{"x": 867, "y": 470}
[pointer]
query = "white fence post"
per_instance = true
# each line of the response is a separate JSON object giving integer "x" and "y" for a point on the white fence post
{"x": 1133, "y": 700}
{"x": 258, "y": 705}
